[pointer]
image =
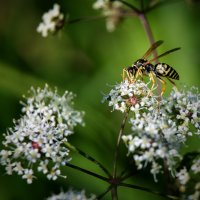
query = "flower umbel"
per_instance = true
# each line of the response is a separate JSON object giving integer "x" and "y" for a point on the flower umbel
{"x": 134, "y": 96}
{"x": 157, "y": 136}
{"x": 37, "y": 138}
{"x": 153, "y": 140}
{"x": 183, "y": 107}
{"x": 53, "y": 21}
{"x": 72, "y": 195}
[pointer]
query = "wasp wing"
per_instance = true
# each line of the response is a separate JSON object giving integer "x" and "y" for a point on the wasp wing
{"x": 153, "y": 46}
{"x": 163, "y": 54}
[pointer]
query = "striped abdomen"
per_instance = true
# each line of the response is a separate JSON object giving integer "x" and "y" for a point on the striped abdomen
{"x": 165, "y": 70}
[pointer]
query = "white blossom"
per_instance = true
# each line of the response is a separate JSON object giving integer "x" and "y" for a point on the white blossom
{"x": 52, "y": 21}
{"x": 112, "y": 11}
{"x": 196, "y": 166}
{"x": 183, "y": 176}
{"x": 28, "y": 175}
{"x": 72, "y": 195}
{"x": 36, "y": 142}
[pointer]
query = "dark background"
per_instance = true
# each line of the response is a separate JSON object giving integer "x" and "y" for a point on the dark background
{"x": 85, "y": 58}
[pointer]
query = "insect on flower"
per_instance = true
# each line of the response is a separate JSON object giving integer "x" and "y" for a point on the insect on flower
{"x": 143, "y": 67}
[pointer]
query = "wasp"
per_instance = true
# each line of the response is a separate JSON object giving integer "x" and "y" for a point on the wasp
{"x": 143, "y": 66}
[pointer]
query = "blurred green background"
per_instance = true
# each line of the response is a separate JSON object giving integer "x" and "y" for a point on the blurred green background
{"x": 86, "y": 59}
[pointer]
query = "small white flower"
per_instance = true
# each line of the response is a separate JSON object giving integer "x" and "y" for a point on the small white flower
{"x": 99, "y": 4}
{"x": 52, "y": 21}
{"x": 53, "y": 174}
{"x": 28, "y": 175}
{"x": 18, "y": 168}
{"x": 196, "y": 166}
{"x": 183, "y": 176}
{"x": 155, "y": 169}
{"x": 43, "y": 166}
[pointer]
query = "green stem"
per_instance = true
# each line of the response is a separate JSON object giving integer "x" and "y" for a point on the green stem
{"x": 114, "y": 187}
{"x": 161, "y": 3}
{"x": 136, "y": 10}
{"x": 147, "y": 190}
{"x": 124, "y": 175}
{"x": 114, "y": 193}
{"x": 118, "y": 142}
{"x": 90, "y": 158}
{"x": 147, "y": 28}
{"x": 87, "y": 172}
{"x": 85, "y": 19}
{"x": 104, "y": 193}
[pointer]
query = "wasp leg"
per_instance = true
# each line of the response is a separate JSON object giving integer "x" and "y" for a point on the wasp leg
{"x": 164, "y": 85}
{"x": 153, "y": 83}
{"x": 173, "y": 84}
{"x": 126, "y": 74}
{"x": 139, "y": 72}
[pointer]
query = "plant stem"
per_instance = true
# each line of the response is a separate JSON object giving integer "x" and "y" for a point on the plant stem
{"x": 136, "y": 10}
{"x": 85, "y": 19}
{"x": 90, "y": 158}
{"x": 147, "y": 190}
{"x": 104, "y": 193}
{"x": 118, "y": 142}
{"x": 161, "y": 3}
{"x": 87, "y": 172}
{"x": 147, "y": 28}
{"x": 114, "y": 193}
{"x": 94, "y": 161}
{"x": 114, "y": 187}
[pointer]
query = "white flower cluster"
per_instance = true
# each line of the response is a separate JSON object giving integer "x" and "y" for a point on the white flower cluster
{"x": 154, "y": 140}
{"x": 53, "y": 20}
{"x": 37, "y": 138}
{"x": 184, "y": 108}
{"x": 133, "y": 96}
{"x": 112, "y": 11}
{"x": 158, "y": 135}
{"x": 72, "y": 195}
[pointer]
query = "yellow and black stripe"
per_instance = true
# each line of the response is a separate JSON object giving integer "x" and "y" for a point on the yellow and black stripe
{"x": 164, "y": 70}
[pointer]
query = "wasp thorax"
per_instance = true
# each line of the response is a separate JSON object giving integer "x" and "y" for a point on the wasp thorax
{"x": 139, "y": 63}
{"x": 149, "y": 67}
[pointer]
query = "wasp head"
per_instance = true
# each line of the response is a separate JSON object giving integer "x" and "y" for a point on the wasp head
{"x": 131, "y": 70}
